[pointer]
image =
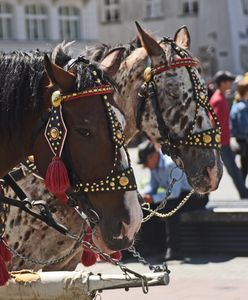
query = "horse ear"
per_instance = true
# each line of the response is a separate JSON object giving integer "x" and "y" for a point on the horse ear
{"x": 151, "y": 46}
{"x": 65, "y": 80}
{"x": 111, "y": 62}
{"x": 182, "y": 37}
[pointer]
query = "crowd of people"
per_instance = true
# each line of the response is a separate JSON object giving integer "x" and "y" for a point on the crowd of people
{"x": 233, "y": 119}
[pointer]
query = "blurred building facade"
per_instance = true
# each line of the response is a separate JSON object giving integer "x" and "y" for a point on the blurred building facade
{"x": 31, "y": 24}
{"x": 219, "y": 29}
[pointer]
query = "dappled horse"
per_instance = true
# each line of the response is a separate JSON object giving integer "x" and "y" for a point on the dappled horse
{"x": 76, "y": 140}
{"x": 164, "y": 96}
{"x": 178, "y": 97}
{"x": 24, "y": 232}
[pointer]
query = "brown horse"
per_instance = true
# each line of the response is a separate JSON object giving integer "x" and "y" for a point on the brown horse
{"x": 171, "y": 107}
{"x": 83, "y": 130}
{"x": 178, "y": 94}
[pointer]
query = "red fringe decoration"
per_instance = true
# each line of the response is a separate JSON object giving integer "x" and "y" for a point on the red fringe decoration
{"x": 5, "y": 257}
{"x": 62, "y": 198}
{"x": 57, "y": 180}
{"x": 117, "y": 255}
{"x": 4, "y": 251}
{"x": 4, "y": 274}
{"x": 88, "y": 257}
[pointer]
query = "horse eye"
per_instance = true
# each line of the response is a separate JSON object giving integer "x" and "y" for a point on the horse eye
{"x": 171, "y": 94}
{"x": 84, "y": 131}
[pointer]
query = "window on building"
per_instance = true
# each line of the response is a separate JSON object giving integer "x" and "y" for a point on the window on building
{"x": 245, "y": 6}
{"x": 111, "y": 10}
{"x": 36, "y": 22}
{"x": 69, "y": 23}
{"x": 5, "y": 21}
{"x": 153, "y": 9}
{"x": 190, "y": 8}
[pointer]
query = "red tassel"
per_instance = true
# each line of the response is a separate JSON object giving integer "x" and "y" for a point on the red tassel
{"x": 57, "y": 180}
{"x": 88, "y": 257}
{"x": 62, "y": 198}
{"x": 4, "y": 252}
{"x": 4, "y": 274}
{"x": 116, "y": 255}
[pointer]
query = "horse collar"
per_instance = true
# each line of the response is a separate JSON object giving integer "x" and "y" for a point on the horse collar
{"x": 209, "y": 138}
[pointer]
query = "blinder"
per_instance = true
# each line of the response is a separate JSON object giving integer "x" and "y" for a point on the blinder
{"x": 210, "y": 138}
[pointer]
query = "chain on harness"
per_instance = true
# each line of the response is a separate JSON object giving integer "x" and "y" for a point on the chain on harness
{"x": 207, "y": 139}
{"x": 55, "y": 134}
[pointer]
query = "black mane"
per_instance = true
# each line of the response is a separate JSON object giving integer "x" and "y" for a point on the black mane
{"x": 20, "y": 79}
{"x": 21, "y": 74}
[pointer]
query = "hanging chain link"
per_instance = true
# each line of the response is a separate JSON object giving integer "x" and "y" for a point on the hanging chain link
{"x": 47, "y": 262}
{"x": 155, "y": 212}
{"x": 142, "y": 260}
{"x": 79, "y": 241}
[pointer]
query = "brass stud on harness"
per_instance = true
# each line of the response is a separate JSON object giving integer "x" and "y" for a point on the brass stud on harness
{"x": 148, "y": 74}
{"x": 54, "y": 133}
{"x": 56, "y": 99}
{"x": 218, "y": 138}
{"x": 31, "y": 158}
{"x": 207, "y": 139}
{"x": 123, "y": 181}
{"x": 119, "y": 135}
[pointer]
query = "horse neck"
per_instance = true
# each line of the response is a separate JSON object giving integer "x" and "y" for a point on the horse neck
{"x": 129, "y": 78}
{"x": 16, "y": 149}
{"x": 19, "y": 145}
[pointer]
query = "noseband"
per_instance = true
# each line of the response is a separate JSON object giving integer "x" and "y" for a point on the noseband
{"x": 208, "y": 138}
{"x": 119, "y": 179}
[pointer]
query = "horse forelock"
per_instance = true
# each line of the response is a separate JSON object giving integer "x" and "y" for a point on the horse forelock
{"x": 85, "y": 78}
{"x": 61, "y": 54}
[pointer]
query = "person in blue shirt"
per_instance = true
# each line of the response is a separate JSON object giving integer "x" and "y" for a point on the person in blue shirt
{"x": 162, "y": 169}
{"x": 239, "y": 123}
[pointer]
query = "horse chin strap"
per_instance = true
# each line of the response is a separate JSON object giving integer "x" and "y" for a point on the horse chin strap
{"x": 208, "y": 138}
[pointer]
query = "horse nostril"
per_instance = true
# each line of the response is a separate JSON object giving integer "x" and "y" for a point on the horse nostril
{"x": 206, "y": 172}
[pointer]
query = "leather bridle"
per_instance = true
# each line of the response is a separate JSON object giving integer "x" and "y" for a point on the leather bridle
{"x": 208, "y": 138}
{"x": 118, "y": 179}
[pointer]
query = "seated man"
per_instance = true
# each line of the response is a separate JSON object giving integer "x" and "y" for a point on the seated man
{"x": 162, "y": 170}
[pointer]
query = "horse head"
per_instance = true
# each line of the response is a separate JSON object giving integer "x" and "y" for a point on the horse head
{"x": 177, "y": 96}
{"x": 170, "y": 105}
{"x": 84, "y": 133}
